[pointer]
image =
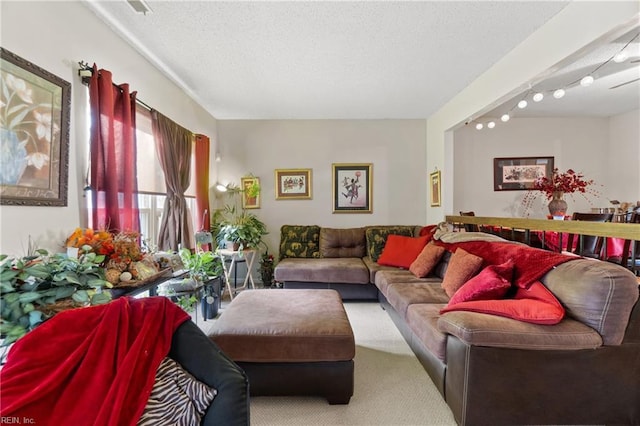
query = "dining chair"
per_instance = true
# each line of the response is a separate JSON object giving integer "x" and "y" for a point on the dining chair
{"x": 631, "y": 249}
{"x": 588, "y": 245}
{"x": 468, "y": 226}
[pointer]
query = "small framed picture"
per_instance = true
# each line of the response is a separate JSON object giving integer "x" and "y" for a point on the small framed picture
{"x": 250, "y": 192}
{"x": 520, "y": 173}
{"x": 435, "y": 188}
{"x": 293, "y": 184}
{"x": 352, "y": 188}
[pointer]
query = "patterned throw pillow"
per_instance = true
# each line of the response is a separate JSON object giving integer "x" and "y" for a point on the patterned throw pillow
{"x": 177, "y": 398}
{"x": 299, "y": 241}
{"x": 377, "y": 238}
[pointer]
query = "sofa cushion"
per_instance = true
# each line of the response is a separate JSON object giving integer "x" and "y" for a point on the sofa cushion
{"x": 402, "y": 295}
{"x": 422, "y": 319}
{"x": 426, "y": 260}
{"x": 348, "y": 270}
{"x": 535, "y": 304}
{"x": 376, "y": 237}
{"x": 347, "y": 242}
{"x": 392, "y": 275}
{"x": 493, "y": 282}
{"x": 299, "y": 241}
{"x": 374, "y": 267}
{"x": 462, "y": 266}
{"x": 401, "y": 251}
{"x": 599, "y": 294}
{"x": 490, "y": 330}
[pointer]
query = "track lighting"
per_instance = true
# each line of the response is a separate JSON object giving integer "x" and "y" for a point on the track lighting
{"x": 522, "y": 104}
{"x": 586, "y": 81}
{"x": 620, "y": 57}
{"x": 491, "y": 124}
{"x": 479, "y": 126}
{"x": 558, "y": 93}
{"x": 505, "y": 118}
{"x": 538, "y": 97}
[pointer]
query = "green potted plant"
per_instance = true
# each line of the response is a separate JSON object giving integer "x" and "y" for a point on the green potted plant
{"x": 35, "y": 287}
{"x": 243, "y": 229}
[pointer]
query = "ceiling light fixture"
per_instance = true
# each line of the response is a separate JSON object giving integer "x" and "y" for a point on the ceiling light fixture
{"x": 505, "y": 117}
{"x": 586, "y": 81}
{"x": 491, "y": 124}
{"x": 522, "y": 104}
{"x": 140, "y": 6}
{"x": 538, "y": 97}
{"x": 558, "y": 93}
{"x": 479, "y": 126}
{"x": 620, "y": 57}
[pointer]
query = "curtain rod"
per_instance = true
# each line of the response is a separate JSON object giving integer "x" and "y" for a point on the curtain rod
{"x": 84, "y": 66}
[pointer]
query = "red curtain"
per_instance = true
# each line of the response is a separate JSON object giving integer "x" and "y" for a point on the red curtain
{"x": 114, "y": 184}
{"x": 202, "y": 182}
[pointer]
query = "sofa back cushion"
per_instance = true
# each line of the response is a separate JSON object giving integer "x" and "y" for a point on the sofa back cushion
{"x": 347, "y": 242}
{"x": 299, "y": 241}
{"x": 376, "y": 237}
{"x": 597, "y": 293}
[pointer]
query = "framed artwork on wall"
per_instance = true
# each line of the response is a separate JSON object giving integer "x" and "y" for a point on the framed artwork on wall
{"x": 352, "y": 187}
{"x": 435, "y": 188}
{"x": 520, "y": 173}
{"x": 293, "y": 184}
{"x": 34, "y": 122}
{"x": 250, "y": 192}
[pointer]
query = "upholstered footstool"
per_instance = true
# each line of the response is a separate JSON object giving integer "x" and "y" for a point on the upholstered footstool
{"x": 290, "y": 342}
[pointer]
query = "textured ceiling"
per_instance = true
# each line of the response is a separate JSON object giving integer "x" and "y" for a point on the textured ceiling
{"x": 322, "y": 60}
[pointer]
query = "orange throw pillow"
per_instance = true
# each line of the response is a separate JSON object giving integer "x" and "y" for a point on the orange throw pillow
{"x": 426, "y": 260}
{"x": 401, "y": 251}
{"x": 462, "y": 267}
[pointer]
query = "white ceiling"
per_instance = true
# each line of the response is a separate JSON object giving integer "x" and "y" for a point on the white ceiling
{"x": 325, "y": 60}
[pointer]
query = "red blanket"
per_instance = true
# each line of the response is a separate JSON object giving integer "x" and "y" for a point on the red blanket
{"x": 530, "y": 263}
{"x": 89, "y": 366}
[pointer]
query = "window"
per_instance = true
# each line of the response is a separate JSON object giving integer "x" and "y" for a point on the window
{"x": 151, "y": 186}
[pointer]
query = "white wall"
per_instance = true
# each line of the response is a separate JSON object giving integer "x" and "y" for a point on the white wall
{"x": 59, "y": 35}
{"x": 624, "y": 156}
{"x": 582, "y": 144}
{"x": 395, "y": 147}
{"x": 577, "y": 25}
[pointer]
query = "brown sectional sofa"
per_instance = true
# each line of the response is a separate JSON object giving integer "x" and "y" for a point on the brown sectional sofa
{"x": 493, "y": 370}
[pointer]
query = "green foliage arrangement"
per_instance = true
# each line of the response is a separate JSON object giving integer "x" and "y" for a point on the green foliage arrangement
{"x": 240, "y": 226}
{"x": 31, "y": 285}
{"x": 201, "y": 264}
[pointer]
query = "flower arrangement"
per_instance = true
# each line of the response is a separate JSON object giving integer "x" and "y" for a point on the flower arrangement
{"x": 123, "y": 257}
{"x": 562, "y": 183}
{"x": 557, "y": 186}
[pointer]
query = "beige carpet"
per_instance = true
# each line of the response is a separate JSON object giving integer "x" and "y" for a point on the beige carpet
{"x": 391, "y": 387}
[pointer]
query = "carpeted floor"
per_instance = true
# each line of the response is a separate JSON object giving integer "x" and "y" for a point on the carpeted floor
{"x": 391, "y": 387}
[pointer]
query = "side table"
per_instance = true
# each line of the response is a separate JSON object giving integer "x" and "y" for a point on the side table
{"x": 249, "y": 255}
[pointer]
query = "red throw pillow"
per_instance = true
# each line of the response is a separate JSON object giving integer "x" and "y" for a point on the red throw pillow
{"x": 426, "y": 260}
{"x": 428, "y": 230}
{"x": 493, "y": 282}
{"x": 535, "y": 305}
{"x": 462, "y": 266}
{"x": 401, "y": 251}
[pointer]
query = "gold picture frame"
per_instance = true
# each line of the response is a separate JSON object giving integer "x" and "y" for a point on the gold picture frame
{"x": 250, "y": 186}
{"x": 36, "y": 105}
{"x": 293, "y": 184}
{"x": 352, "y": 187}
{"x": 435, "y": 188}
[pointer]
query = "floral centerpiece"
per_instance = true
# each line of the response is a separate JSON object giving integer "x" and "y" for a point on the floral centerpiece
{"x": 556, "y": 187}
{"x": 124, "y": 260}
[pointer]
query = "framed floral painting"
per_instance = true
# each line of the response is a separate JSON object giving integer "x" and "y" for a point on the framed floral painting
{"x": 352, "y": 188}
{"x": 293, "y": 184}
{"x": 34, "y": 125}
{"x": 520, "y": 173}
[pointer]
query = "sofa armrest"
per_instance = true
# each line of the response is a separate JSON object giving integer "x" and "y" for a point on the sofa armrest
{"x": 201, "y": 357}
{"x": 491, "y": 330}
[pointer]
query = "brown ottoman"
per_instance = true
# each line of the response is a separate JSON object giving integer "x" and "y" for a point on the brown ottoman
{"x": 290, "y": 342}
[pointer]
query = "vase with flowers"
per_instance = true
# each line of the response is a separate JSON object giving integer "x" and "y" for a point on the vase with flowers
{"x": 556, "y": 187}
